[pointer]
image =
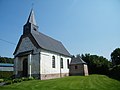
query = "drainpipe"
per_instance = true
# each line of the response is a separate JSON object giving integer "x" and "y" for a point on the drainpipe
{"x": 39, "y": 66}
{"x": 30, "y": 63}
{"x": 60, "y": 67}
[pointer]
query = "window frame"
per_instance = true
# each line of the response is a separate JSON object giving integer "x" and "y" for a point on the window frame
{"x": 53, "y": 61}
{"x": 68, "y": 63}
{"x": 61, "y": 62}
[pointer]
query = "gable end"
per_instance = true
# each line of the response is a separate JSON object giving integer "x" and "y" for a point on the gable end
{"x": 23, "y": 37}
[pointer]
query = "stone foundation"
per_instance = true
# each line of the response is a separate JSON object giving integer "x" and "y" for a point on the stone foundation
{"x": 52, "y": 76}
{"x": 20, "y": 74}
{"x": 43, "y": 76}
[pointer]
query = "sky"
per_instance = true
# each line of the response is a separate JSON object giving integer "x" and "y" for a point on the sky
{"x": 83, "y": 26}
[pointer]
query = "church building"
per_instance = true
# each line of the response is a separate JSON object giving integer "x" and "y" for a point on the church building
{"x": 38, "y": 55}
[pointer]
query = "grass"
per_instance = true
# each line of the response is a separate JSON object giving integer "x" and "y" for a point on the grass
{"x": 91, "y": 82}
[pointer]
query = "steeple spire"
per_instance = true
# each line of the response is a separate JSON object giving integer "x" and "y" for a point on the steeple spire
{"x": 31, "y": 18}
{"x": 31, "y": 25}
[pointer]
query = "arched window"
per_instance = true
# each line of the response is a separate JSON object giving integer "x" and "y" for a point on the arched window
{"x": 53, "y": 61}
{"x": 67, "y": 63}
{"x": 61, "y": 63}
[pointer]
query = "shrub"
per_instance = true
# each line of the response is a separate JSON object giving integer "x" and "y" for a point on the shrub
{"x": 8, "y": 82}
{"x": 24, "y": 79}
{"x": 6, "y": 74}
{"x": 16, "y": 80}
{"x": 1, "y": 80}
{"x": 27, "y": 78}
{"x": 30, "y": 78}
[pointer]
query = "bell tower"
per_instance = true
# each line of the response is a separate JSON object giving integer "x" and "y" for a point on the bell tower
{"x": 30, "y": 24}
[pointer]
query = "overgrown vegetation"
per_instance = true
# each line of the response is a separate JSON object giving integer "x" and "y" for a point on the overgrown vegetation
{"x": 8, "y": 81}
{"x": 91, "y": 82}
{"x": 6, "y": 74}
{"x": 97, "y": 64}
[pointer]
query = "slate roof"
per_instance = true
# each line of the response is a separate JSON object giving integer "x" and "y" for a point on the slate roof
{"x": 77, "y": 60}
{"x": 49, "y": 43}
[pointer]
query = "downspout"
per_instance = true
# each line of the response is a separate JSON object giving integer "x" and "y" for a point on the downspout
{"x": 30, "y": 64}
{"x": 60, "y": 67}
{"x": 39, "y": 66}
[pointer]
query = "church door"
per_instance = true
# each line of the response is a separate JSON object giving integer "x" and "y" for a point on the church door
{"x": 25, "y": 67}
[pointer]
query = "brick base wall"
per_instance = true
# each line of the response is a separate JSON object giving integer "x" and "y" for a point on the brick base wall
{"x": 52, "y": 76}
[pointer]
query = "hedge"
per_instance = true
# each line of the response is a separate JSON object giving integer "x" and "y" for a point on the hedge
{"x": 6, "y": 74}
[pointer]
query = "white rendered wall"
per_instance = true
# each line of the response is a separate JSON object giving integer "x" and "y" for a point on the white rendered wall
{"x": 46, "y": 63}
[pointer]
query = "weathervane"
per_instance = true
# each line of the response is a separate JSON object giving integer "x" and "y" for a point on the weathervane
{"x": 32, "y": 5}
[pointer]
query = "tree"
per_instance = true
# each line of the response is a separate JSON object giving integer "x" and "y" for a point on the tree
{"x": 6, "y": 60}
{"x": 115, "y": 72}
{"x": 97, "y": 64}
{"x": 115, "y": 56}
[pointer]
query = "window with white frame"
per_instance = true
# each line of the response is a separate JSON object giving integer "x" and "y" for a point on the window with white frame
{"x": 67, "y": 63}
{"x": 61, "y": 62}
{"x": 53, "y": 61}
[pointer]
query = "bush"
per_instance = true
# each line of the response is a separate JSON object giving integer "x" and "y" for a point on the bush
{"x": 6, "y": 74}
{"x": 8, "y": 82}
{"x": 27, "y": 78}
{"x": 16, "y": 80}
{"x": 30, "y": 78}
{"x": 1, "y": 80}
{"x": 24, "y": 79}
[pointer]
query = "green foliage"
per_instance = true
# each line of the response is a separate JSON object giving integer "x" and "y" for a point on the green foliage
{"x": 1, "y": 80}
{"x": 97, "y": 64}
{"x": 24, "y": 79}
{"x": 8, "y": 82}
{"x": 30, "y": 78}
{"x": 6, "y": 60}
{"x": 115, "y": 72}
{"x": 16, "y": 80}
{"x": 91, "y": 82}
{"x": 6, "y": 74}
{"x": 115, "y": 56}
{"x": 27, "y": 78}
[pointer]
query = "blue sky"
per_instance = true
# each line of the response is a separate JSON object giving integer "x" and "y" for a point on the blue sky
{"x": 83, "y": 26}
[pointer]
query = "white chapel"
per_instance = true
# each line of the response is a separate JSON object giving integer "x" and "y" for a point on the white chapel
{"x": 39, "y": 55}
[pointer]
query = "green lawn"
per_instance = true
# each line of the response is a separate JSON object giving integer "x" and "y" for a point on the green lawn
{"x": 91, "y": 82}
